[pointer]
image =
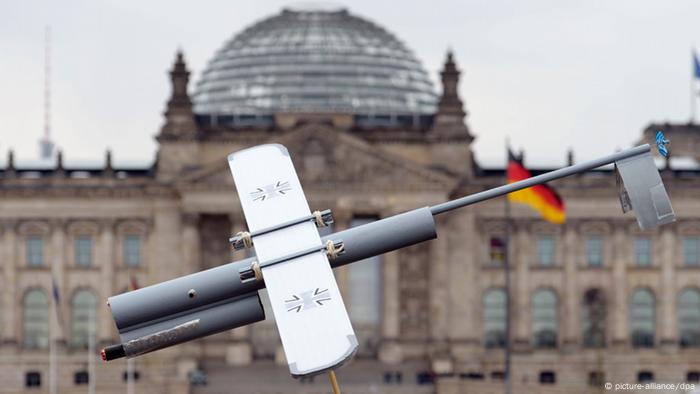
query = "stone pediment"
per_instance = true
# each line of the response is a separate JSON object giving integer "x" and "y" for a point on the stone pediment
{"x": 326, "y": 158}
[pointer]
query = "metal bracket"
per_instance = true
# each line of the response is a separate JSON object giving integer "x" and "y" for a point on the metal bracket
{"x": 332, "y": 249}
{"x": 243, "y": 239}
{"x": 642, "y": 191}
{"x": 250, "y": 273}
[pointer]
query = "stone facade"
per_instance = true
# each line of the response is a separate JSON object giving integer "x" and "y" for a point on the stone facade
{"x": 183, "y": 208}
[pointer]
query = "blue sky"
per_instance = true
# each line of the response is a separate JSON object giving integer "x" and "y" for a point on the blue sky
{"x": 550, "y": 74}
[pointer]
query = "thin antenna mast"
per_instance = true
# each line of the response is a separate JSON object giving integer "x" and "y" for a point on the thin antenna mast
{"x": 45, "y": 144}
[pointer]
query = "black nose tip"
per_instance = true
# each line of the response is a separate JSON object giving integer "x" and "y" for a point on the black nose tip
{"x": 113, "y": 352}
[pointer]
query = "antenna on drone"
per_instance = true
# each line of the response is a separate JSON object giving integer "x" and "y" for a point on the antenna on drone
{"x": 45, "y": 144}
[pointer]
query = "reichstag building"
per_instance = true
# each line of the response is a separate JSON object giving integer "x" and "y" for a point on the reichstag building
{"x": 593, "y": 300}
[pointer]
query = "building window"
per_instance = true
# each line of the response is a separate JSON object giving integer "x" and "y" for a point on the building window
{"x": 498, "y": 375}
{"x": 494, "y": 316}
{"x": 83, "y": 251}
{"x": 198, "y": 377}
{"x": 593, "y": 321}
{"x": 642, "y": 318}
{"x": 35, "y": 251}
{"x": 497, "y": 251}
{"x": 596, "y": 378}
{"x": 544, "y": 318}
{"x": 32, "y": 379}
{"x": 132, "y": 250}
{"x": 689, "y": 318}
{"x": 390, "y": 377}
{"x": 81, "y": 377}
{"x": 83, "y": 318}
{"x": 35, "y": 320}
{"x": 691, "y": 251}
{"x": 422, "y": 377}
{"x": 135, "y": 376}
{"x": 545, "y": 250}
{"x": 645, "y": 376}
{"x": 472, "y": 376}
{"x": 642, "y": 252}
{"x": 594, "y": 251}
{"x": 548, "y": 377}
{"x": 692, "y": 377}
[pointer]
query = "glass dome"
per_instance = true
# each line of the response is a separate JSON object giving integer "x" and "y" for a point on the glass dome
{"x": 316, "y": 61}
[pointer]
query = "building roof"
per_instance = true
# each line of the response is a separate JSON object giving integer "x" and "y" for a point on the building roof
{"x": 684, "y": 141}
{"x": 318, "y": 61}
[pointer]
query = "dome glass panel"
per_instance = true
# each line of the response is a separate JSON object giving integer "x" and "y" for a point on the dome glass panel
{"x": 314, "y": 61}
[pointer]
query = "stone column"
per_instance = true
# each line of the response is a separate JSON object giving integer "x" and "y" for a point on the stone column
{"x": 617, "y": 314}
{"x": 57, "y": 259}
{"x": 163, "y": 243}
{"x": 11, "y": 302}
{"x": 666, "y": 317}
{"x": 106, "y": 329}
{"x": 164, "y": 262}
{"x": 570, "y": 311}
{"x": 520, "y": 259}
{"x": 240, "y": 351}
{"x": 465, "y": 327}
{"x": 191, "y": 249}
{"x": 389, "y": 350}
{"x": 438, "y": 292}
{"x": 191, "y": 263}
{"x": 439, "y": 281}
{"x": 342, "y": 221}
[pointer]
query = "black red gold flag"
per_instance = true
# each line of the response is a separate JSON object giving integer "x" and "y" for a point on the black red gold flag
{"x": 541, "y": 198}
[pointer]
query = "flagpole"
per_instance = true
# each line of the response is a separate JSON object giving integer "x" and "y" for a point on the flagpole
{"x": 508, "y": 369}
{"x": 692, "y": 97}
{"x": 91, "y": 353}
{"x": 693, "y": 76}
{"x": 52, "y": 355}
{"x": 130, "y": 389}
{"x": 52, "y": 367}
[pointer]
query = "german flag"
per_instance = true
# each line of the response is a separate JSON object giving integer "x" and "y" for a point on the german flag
{"x": 541, "y": 198}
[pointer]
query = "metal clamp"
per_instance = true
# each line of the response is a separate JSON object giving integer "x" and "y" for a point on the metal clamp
{"x": 250, "y": 273}
{"x": 244, "y": 239}
{"x": 332, "y": 249}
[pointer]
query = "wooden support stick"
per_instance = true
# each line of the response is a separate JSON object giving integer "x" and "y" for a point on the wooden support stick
{"x": 334, "y": 382}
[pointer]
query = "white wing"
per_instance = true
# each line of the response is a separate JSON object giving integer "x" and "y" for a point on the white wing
{"x": 311, "y": 318}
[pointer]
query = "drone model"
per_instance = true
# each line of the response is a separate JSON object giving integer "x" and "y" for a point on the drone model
{"x": 295, "y": 264}
{"x": 311, "y": 318}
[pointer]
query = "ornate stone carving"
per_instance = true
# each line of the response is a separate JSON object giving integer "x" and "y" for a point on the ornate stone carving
{"x": 331, "y": 159}
{"x": 179, "y": 118}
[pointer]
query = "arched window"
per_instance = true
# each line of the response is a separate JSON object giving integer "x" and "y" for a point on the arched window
{"x": 132, "y": 250}
{"x": 689, "y": 318}
{"x": 642, "y": 318}
{"x": 645, "y": 376}
{"x": 544, "y": 318}
{"x": 83, "y": 318}
{"x": 494, "y": 315}
{"x": 593, "y": 319}
{"x": 35, "y": 320}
